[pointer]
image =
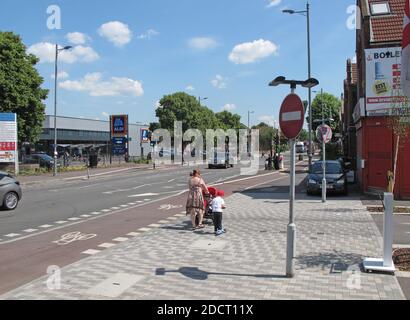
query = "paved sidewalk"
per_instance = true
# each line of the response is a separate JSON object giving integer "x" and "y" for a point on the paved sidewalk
{"x": 168, "y": 261}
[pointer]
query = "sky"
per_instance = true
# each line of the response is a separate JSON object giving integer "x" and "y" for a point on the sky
{"x": 128, "y": 54}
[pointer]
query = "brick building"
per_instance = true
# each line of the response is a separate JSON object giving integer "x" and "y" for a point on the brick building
{"x": 368, "y": 137}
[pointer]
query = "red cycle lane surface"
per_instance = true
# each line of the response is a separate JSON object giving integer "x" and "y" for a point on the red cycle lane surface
{"x": 28, "y": 259}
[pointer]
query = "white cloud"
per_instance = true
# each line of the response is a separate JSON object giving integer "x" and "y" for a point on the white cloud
{"x": 105, "y": 114}
{"x": 219, "y": 82}
{"x": 148, "y": 34}
{"x": 190, "y": 88}
{"x": 250, "y": 52}
{"x": 116, "y": 32}
{"x": 157, "y": 105}
{"x": 96, "y": 87}
{"x": 273, "y": 3}
{"x": 202, "y": 43}
{"x": 229, "y": 107}
{"x": 268, "y": 120}
{"x": 77, "y": 38}
{"x": 45, "y": 51}
{"x": 60, "y": 75}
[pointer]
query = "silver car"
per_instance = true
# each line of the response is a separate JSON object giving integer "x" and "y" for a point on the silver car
{"x": 10, "y": 191}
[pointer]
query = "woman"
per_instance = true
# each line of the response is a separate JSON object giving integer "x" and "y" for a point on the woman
{"x": 195, "y": 204}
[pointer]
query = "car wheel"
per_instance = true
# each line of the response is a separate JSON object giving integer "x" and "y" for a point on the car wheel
{"x": 10, "y": 201}
{"x": 209, "y": 166}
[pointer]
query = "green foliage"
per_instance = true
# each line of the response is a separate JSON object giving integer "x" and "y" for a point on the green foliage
{"x": 331, "y": 108}
{"x": 266, "y": 136}
{"x": 304, "y": 135}
{"x": 183, "y": 107}
{"x": 20, "y": 87}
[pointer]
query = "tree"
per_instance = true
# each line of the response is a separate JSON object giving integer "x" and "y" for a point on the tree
{"x": 331, "y": 108}
{"x": 20, "y": 87}
{"x": 267, "y": 135}
{"x": 304, "y": 135}
{"x": 228, "y": 120}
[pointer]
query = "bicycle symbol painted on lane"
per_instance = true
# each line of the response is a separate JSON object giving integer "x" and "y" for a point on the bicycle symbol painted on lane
{"x": 72, "y": 237}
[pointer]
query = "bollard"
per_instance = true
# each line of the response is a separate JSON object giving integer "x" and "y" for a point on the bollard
{"x": 388, "y": 231}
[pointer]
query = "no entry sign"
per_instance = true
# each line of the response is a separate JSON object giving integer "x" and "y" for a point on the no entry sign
{"x": 291, "y": 117}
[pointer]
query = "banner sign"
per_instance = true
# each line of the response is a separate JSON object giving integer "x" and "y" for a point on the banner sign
{"x": 8, "y": 137}
{"x": 383, "y": 79}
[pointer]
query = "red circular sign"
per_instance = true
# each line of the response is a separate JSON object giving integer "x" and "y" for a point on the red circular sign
{"x": 292, "y": 116}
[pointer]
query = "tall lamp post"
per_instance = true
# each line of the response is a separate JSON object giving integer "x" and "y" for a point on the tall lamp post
{"x": 306, "y": 13}
{"x": 249, "y": 130}
{"x": 58, "y": 50}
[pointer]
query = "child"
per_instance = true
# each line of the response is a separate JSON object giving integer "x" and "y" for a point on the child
{"x": 218, "y": 205}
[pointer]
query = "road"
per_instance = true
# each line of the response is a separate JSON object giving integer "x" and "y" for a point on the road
{"x": 59, "y": 226}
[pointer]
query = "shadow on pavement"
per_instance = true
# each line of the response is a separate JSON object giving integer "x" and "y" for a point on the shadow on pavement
{"x": 198, "y": 274}
{"x": 336, "y": 261}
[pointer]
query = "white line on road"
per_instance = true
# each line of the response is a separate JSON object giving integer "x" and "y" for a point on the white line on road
{"x": 45, "y": 226}
{"x": 95, "y": 213}
{"x": 107, "y": 245}
{"x": 133, "y": 234}
{"x": 30, "y": 230}
{"x": 74, "y": 219}
{"x": 61, "y": 222}
{"x": 143, "y": 195}
{"x": 12, "y": 235}
{"x": 120, "y": 239}
{"x": 85, "y": 216}
{"x": 91, "y": 252}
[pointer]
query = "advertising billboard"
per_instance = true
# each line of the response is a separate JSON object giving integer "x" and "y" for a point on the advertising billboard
{"x": 8, "y": 137}
{"x": 144, "y": 135}
{"x": 383, "y": 74}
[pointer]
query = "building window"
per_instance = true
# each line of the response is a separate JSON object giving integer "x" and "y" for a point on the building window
{"x": 380, "y": 8}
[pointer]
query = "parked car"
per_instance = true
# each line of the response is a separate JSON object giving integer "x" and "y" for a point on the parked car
{"x": 336, "y": 179}
{"x": 221, "y": 160}
{"x": 10, "y": 191}
{"x": 44, "y": 160}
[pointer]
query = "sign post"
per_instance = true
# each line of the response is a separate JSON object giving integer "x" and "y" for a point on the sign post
{"x": 8, "y": 140}
{"x": 291, "y": 123}
{"x": 324, "y": 133}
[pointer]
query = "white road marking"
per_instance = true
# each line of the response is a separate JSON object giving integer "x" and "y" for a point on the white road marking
{"x": 72, "y": 237}
{"x": 147, "y": 199}
{"x": 172, "y": 218}
{"x": 12, "y": 235}
{"x": 163, "y": 221}
{"x": 132, "y": 203}
{"x": 95, "y": 213}
{"x": 91, "y": 252}
{"x": 120, "y": 239}
{"x": 124, "y": 205}
{"x": 128, "y": 189}
{"x": 74, "y": 219}
{"x": 30, "y": 230}
{"x": 107, "y": 245}
{"x": 143, "y": 195}
{"x": 61, "y": 222}
{"x": 133, "y": 234}
{"x": 85, "y": 216}
{"x": 115, "y": 208}
{"x": 172, "y": 180}
{"x": 154, "y": 225}
{"x": 45, "y": 226}
{"x": 106, "y": 210}
{"x": 144, "y": 229}
{"x": 168, "y": 207}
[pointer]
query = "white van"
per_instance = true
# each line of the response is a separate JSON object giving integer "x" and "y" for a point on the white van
{"x": 300, "y": 147}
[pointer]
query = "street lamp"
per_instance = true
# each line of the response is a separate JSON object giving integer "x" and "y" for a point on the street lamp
{"x": 306, "y": 13}
{"x": 291, "y": 229}
{"x": 58, "y": 50}
{"x": 249, "y": 130}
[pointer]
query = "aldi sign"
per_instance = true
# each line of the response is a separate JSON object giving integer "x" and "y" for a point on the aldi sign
{"x": 8, "y": 137}
{"x": 119, "y": 125}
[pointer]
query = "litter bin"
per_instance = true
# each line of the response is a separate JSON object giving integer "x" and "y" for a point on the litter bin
{"x": 93, "y": 161}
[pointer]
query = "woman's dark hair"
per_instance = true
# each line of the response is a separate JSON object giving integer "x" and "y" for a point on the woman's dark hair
{"x": 196, "y": 173}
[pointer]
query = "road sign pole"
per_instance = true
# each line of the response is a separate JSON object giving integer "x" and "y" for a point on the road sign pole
{"x": 291, "y": 231}
{"x": 324, "y": 183}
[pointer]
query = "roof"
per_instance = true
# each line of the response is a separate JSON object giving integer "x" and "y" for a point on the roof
{"x": 388, "y": 28}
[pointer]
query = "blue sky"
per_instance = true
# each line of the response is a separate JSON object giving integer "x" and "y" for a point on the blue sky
{"x": 129, "y": 53}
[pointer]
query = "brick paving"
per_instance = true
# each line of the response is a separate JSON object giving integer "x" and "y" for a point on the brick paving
{"x": 172, "y": 262}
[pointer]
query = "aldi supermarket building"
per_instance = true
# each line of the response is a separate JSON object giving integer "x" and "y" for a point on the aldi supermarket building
{"x": 78, "y": 136}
